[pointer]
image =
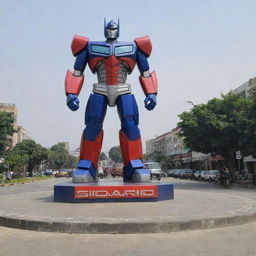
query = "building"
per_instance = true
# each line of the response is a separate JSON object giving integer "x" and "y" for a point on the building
{"x": 66, "y": 145}
{"x": 171, "y": 144}
{"x": 160, "y": 143}
{"x": 150, "y": 146}
{"x": 22, "y": 134}
{"x": 11, "y": 108}
{"x": 245, "y": 90}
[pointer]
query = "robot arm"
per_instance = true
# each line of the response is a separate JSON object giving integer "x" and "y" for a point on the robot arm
{"x": 148, "y": 80}
{"x": 74, "y": 81}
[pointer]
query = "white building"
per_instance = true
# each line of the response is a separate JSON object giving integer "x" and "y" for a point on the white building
{"x": 244, "y": 91}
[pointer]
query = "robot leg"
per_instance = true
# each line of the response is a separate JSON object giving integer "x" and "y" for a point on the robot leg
{"x": 91, "y": 141}
{"x": 130, "y": 140}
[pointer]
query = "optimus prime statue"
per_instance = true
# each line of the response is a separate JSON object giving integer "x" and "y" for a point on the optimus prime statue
{"x": 112, "y": 61}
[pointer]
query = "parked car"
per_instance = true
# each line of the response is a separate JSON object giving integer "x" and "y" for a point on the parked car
{"x": 155, "y": 170}
{"x": 211, "y": 175}
{"x": 117, "y": 170}
{"x": 54, "y": 172}
{"x": 189, "y": 174}
{"x": 170, "y": 173}
{"x": 48, "y": 172}
{"x": 177, "y": 173}
{"x": 70, "y": 173}
{"x": 180, "y": 173}
{"x": 107, "y": 170}
{"x": 197, "y": 175}
{"x": 61, "y": 173}
{"x": 203, "y": 175}
{"x": 100, "y": 172}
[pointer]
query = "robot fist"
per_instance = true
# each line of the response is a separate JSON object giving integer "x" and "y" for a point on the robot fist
{"x": 150, "y": 101}
{"x": 73, "y": 102}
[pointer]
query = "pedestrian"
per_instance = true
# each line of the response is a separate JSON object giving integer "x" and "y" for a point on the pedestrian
{"x": 8, "y": 175}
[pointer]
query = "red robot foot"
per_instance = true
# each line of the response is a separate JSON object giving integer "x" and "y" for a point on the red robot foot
{"x": 132, "y": 155}
{"x": 89, "y": 154}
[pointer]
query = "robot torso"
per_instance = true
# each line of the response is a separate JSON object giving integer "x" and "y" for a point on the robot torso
{"x": 112, "y": 62}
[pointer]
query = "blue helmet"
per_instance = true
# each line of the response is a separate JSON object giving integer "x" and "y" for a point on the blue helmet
{"x": 111, "y": 30}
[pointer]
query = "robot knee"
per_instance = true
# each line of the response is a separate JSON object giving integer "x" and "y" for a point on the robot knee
{"x": 92, "y": 130}
{"x": 132, "y": 131}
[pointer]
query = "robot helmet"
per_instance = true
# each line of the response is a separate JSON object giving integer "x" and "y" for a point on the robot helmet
{"x": 111, "y": 30}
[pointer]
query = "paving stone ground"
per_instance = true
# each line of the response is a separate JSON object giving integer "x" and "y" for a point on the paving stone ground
{"x": 31, "y": 206}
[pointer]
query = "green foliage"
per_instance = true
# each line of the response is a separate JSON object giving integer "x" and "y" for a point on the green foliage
{"x": 3, "y": 167}
{"x": 154, "y": 157}
{"x": 220, "y": 126}
{"x": 6, "y": 130}
{"x": 164, "y": 160}
{"x": 59, "y": 158}
{"x": 26, "y": 154}
{"x": 27, "y": 179}
{"x": 17, "y": 162}
{"x": 115, "y": 154}
{"x": 103, "y": 156}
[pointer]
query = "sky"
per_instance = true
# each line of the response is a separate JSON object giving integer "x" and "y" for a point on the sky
{"x": 201, "y": 48}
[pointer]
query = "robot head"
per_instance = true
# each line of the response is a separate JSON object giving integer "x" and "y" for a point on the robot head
{"x": 111, "y": 30}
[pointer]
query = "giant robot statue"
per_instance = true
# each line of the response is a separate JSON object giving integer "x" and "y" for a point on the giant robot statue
{"x": 112, "y": 61}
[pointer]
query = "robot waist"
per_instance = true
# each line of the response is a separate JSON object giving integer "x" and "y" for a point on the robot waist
{"x": 112, "y": 91}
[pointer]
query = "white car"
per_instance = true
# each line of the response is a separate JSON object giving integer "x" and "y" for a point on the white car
{"x": 211, "y": 175}
{"x": 155, "y": 170}
{"x": 100, "y": 172}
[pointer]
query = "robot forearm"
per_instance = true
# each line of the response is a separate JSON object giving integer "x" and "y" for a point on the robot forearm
{"x": 148, "y": 82}
{"x": 73, "y": 82}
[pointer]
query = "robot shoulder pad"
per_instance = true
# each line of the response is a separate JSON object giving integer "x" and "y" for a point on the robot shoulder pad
{"x": 144, "y": 44}
{"x": 78, "y": 44}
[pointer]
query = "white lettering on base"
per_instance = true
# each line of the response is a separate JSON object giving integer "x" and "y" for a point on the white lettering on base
{"x": 115, "y": 193}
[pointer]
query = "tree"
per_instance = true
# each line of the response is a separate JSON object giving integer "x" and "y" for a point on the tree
{"x": 59, "y": 158}
{"x": 103, "y": 156}
{"x": 17, "y": 162}
{"x": 115, "y": 154}
{"x": 6, "y": 131}
{"x": 159, "y": 157}
{"x": 218, "y": 127}
{"x": 28, "y": 154}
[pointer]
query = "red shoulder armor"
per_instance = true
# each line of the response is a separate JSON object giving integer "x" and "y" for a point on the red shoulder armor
{"x": 144, "y": 44}
{"x": 78, "y": 44}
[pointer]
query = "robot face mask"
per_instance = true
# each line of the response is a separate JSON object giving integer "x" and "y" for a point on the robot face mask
{"x": 111, "y": 30}
{"x": 111, "y": 34}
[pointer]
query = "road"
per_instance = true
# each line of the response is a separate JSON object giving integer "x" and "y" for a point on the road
{"x": 235, "y": 241}
{"x": 232, "y": 241}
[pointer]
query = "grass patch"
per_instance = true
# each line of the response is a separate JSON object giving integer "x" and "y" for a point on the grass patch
{"x": 27, "y": 179}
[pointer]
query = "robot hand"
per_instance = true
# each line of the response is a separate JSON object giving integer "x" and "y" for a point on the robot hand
{"x": 73, "y": 101}
{"x": 150, "y": 101}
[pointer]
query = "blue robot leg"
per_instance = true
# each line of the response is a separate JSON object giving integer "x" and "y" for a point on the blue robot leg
{"x": 91, "y": 141}
{"x": 130, "y": 140}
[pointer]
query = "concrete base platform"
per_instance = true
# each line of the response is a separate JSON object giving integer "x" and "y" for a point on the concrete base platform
{"x": 105, "y": 191}
{"x": 32, "y": 207}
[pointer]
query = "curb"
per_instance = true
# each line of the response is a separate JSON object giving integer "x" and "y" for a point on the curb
{"x": 125, "y": 227}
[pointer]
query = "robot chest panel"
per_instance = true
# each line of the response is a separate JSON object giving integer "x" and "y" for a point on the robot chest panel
{"x": 112, "y": 55}
{"x": 119, "y": 49}
{"x": 112, "y": 71}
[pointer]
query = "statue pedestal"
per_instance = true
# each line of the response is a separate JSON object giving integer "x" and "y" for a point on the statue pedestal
{"x": 114, "y": 191}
